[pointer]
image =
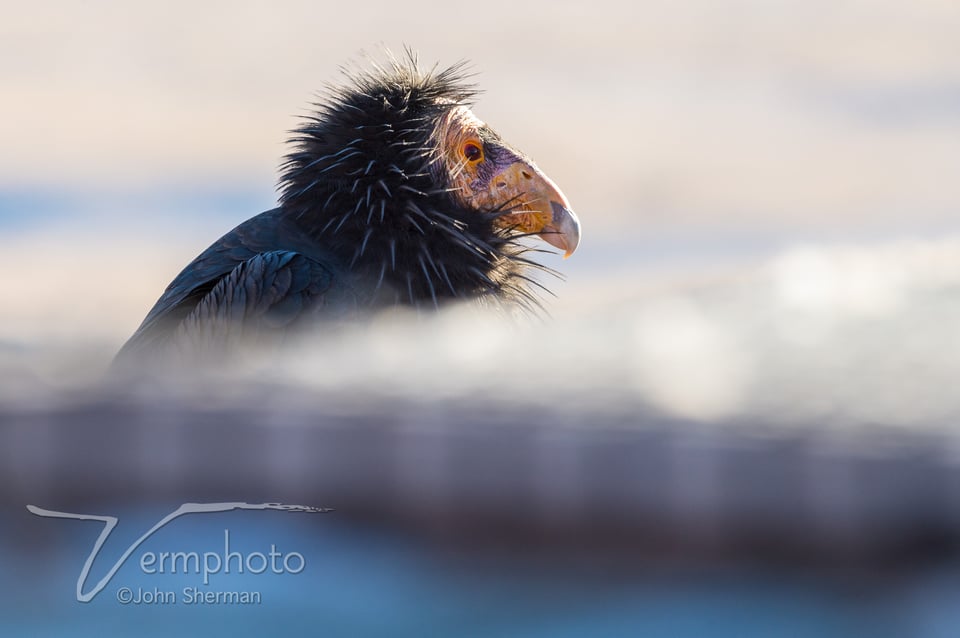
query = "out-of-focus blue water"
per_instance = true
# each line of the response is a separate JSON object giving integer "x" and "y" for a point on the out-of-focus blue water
{"x": 363, "y": 581}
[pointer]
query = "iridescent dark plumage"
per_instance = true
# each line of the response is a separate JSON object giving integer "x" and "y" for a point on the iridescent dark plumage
{"x": 368, "y": 216}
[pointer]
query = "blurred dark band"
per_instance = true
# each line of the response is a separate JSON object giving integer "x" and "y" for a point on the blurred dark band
{"x": 628, "y": 482}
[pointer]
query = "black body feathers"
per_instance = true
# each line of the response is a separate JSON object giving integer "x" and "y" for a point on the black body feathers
{"x": 366, "y": 218}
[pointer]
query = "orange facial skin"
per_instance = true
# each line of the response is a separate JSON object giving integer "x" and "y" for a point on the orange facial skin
{"x": 486, "y": 174}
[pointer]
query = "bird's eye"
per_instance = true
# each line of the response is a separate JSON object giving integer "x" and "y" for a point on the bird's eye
{"x": 472, "y": 152}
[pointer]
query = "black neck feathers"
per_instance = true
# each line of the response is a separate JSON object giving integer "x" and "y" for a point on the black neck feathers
{"x": 365, "y": 179}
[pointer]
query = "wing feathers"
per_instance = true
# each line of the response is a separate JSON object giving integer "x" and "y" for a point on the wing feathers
{"x": 268, "y": 292}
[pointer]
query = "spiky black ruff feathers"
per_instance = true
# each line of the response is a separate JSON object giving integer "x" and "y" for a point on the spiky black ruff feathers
{"x": 365, "y": 178}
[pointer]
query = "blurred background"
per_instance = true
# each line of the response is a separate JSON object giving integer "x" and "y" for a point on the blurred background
{"x": 739, "y": 419}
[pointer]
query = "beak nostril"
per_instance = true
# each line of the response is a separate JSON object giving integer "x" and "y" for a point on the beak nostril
{"x": 501, "y": 184}
{"x": 526, "y": 175}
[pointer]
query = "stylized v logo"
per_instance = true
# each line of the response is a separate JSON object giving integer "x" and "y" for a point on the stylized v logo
{"x": 109, "y": 522}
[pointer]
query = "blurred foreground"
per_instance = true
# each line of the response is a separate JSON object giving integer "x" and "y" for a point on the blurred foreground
{"x": 761, "y": 449}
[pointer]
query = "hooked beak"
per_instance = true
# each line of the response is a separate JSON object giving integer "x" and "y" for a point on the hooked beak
{"x": 541, "y": 208}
